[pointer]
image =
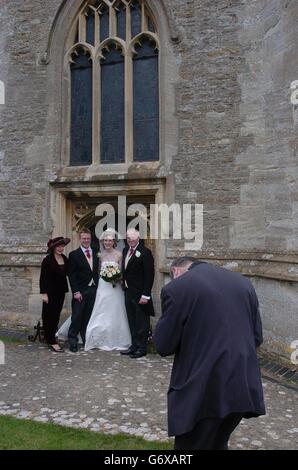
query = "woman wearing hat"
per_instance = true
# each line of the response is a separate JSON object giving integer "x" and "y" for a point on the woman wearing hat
{"x": 53, "y": 286}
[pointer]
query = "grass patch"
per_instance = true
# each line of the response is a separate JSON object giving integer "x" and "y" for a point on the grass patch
{"x": 18, "y": 434}
{"x": 13, "y": 340}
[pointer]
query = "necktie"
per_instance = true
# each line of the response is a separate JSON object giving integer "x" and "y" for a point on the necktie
{"x": 88, "y": 253}
{"x": 131, "y": 250}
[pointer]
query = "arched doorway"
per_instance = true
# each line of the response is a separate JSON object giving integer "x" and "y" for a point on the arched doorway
{"x": 86, "y": 218}
{"x": 76, "y": 206}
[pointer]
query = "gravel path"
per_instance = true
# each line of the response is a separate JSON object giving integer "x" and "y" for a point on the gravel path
{"x": 107, "y": 392}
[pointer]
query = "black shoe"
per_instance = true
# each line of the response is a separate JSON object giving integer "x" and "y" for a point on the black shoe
{"x": 128, "y": 352}
{"x": 137, "y": 354}
{"x": 73, "y": 348}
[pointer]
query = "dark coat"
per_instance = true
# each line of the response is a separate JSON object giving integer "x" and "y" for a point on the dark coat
{"x": 53, "y": 277}
{"x": 80, "y": 273}
{"x": 139, "y": 275}
{"x": 211, "y": 323}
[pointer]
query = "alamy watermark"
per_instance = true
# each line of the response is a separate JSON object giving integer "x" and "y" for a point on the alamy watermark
{"x": 159, "y": 221}
{"x": 2, "y": 92}
{"x": 294, "y": 93}
{"x": 2, "y": 353}
{"x": 294, "y": 355}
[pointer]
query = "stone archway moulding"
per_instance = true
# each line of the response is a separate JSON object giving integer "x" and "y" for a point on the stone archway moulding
{"x": 68, "y": 10}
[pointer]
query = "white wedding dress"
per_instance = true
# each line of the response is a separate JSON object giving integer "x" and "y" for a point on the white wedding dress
{"x": 108, "y": 327}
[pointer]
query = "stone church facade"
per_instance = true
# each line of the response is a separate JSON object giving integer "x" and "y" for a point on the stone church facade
{"x": 160, "y": 101}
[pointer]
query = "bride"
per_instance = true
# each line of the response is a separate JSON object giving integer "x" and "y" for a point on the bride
{"x": 108, "y": 325}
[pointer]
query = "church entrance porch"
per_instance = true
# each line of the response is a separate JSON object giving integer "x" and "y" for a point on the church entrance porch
{"x": 81, "y": 205}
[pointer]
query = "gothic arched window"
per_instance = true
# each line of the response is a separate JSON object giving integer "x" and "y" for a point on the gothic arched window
{"x": 114, "y": 83}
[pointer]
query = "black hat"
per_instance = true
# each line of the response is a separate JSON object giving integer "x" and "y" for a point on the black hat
{"x": 57, "y": 241}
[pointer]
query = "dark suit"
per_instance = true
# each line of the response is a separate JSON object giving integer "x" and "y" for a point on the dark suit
{"x": 53, "y": 282}
{"x": 138, "y": 277}
{"x": 211, "y": 322}
{"x": 80, "y": 276}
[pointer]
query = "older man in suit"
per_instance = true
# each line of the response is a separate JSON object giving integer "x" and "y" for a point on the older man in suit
{"x": 138, "y": 276}
{"x": 211, "y": 322}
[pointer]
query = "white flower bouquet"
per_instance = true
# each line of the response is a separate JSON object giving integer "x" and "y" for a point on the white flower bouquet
{"x": 110, "y": 273}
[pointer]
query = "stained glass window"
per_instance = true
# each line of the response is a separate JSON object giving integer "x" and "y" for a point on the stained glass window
{"x": 114, "y": 81}
{"x": 81, "y": 109}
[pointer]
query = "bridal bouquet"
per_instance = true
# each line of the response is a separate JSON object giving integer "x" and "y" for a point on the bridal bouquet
{"x": 110, "y": 273}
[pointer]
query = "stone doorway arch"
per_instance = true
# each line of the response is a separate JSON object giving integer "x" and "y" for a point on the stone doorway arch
{"x": 86, "y": 218}
{"x": 74, "y": 206}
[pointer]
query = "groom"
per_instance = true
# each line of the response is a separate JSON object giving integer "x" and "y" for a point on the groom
{"x": 83, "y": 278}
{"x": 138, "y": 276}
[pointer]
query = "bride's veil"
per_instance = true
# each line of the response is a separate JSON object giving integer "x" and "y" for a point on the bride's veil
{"x": 120, "y": 244}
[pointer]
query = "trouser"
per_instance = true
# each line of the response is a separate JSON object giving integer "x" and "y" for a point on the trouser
{"x": 139, "y": 323}
{"x": 81, "y": 313}
{"x": 209, "y": 434}
{"x": 51, "y": 315}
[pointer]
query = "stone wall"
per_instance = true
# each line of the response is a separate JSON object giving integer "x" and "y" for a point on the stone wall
{"x": 238, "y": 145}
{"x": 278, "y": 306}
{"x": 229, "y": 141}
{"x": 15, "y": 289}
{"x": 25, "y": 146}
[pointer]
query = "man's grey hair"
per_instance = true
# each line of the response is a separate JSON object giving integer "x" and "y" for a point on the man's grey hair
{"x": 182, "y": 261}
